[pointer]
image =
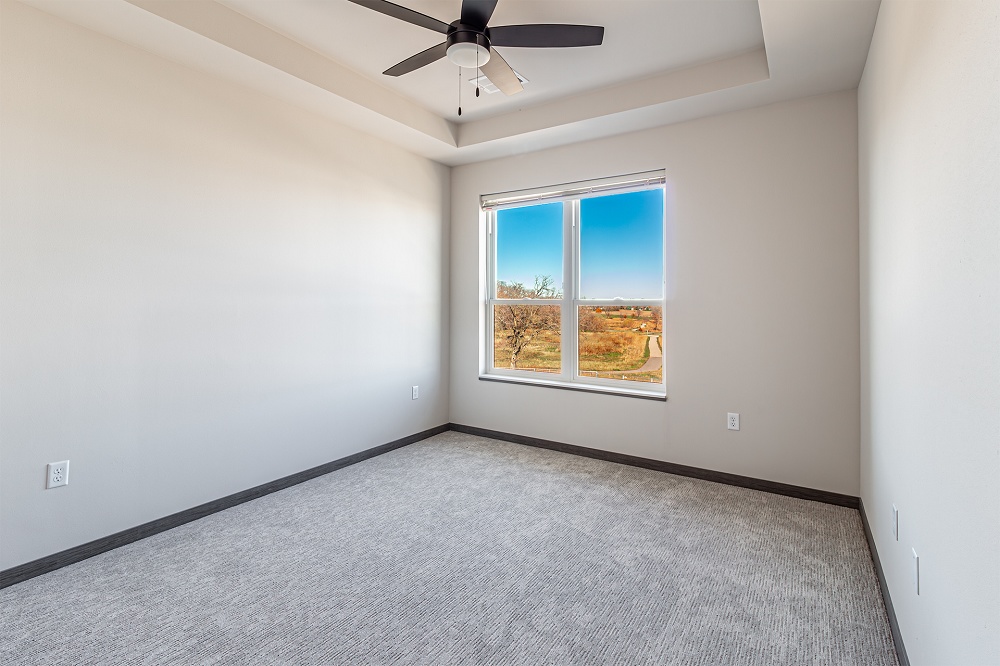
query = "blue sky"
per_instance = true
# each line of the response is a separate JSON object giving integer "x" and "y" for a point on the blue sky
{"x": 529, "y": 243}
{"x": 621, "y": 244}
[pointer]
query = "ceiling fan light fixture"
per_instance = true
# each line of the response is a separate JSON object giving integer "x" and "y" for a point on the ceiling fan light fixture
{"x": 468, "y": 54}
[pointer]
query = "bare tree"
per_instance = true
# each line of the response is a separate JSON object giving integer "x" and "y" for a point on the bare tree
{"x": 518, "y": 324}
{"x": 657, "y": 319}
{"x": 591, "y": 322}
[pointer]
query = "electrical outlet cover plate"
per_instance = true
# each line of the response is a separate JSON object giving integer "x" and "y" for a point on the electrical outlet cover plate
{"x": 57, "y": 474}
{"x": 733, "y": 421}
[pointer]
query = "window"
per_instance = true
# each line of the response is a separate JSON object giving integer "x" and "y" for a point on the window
{"x": 575, "y": 286}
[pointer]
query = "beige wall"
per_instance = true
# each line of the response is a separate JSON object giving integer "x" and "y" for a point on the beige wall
{"x": 762, "y": 317}
{"x": 203, "y": 289}
{"x": 929, "y": 109}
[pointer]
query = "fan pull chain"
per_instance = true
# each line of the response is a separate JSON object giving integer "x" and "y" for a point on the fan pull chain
{"x": 477, "y": 66}
{"x": 459, "y": 91}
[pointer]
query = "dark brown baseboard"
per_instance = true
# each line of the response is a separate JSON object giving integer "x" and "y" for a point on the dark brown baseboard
{"x": 78, "y": 553}
{"x": 671, "y": 468}
{"x": 897, "y": 638}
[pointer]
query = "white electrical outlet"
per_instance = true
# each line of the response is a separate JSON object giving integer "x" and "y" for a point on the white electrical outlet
{"x": 415, "y": 392}
{"x": 916, "y": 571}
{"x": 58, "y": 474}
{"x": 733, "y": 421}
{"x": 895, "y": 522}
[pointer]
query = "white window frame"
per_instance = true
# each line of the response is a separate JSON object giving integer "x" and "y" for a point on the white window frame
{"x": 569, "y": 376}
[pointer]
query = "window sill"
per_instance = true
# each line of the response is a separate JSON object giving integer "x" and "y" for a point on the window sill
{"x": 586, "y": 388}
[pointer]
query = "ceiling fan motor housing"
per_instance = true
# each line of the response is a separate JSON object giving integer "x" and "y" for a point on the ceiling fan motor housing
{"x": 467, "y": 46}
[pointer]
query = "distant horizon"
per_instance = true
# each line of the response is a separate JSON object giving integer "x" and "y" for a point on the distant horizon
{"x": 621, "y": 245}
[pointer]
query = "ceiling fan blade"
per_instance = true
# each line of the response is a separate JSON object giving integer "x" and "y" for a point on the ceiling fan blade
{"x": 404, "y": 14}
{"x": 432, "y": 54}
{"x": 547, "y": 35}
{"x": 477, "y": 12}
{"x": 501, "y": 75}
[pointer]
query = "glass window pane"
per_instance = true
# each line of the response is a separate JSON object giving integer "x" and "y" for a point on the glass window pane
{"x": 621, "y": 343}
{"x": 621, "y": 246}
{"x": 530, "y": 251}
{"x": 527, "y": 337}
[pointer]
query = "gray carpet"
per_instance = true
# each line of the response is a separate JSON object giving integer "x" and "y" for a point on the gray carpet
{"x": 460, "y": 549}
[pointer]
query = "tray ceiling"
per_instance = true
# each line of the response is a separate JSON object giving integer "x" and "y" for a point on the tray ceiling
{"x": 662, "y": 61}
{"x": 642, "y": 38}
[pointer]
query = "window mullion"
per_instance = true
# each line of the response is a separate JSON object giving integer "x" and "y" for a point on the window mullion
{"x": 567, "y": 321}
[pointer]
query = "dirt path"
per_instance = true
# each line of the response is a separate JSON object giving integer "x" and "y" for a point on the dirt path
{"x": 652, "y": 364}
{"x": 655, "y": 359}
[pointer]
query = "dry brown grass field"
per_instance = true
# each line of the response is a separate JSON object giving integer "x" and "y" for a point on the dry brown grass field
{"x": 612, "y": 342}
{"x": 649, "y": 377}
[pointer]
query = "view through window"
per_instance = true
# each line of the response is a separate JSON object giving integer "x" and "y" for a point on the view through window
{"x": 576, "y": 288}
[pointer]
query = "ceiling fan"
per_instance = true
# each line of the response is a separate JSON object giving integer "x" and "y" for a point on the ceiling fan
{"x": 469, "y": 41}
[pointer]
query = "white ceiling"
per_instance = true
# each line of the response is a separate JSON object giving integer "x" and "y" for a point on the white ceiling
{"x": 642, "y": 38}
{"x": 662, "y": 61}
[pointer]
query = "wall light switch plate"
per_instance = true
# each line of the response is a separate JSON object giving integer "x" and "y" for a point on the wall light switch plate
{"x": 895, "y": 522}
{"x": 415, "y": 392}
{"x": 57, "y": 474}
{"x": 733, "y": 421}
{"x": 916, "y": 571}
